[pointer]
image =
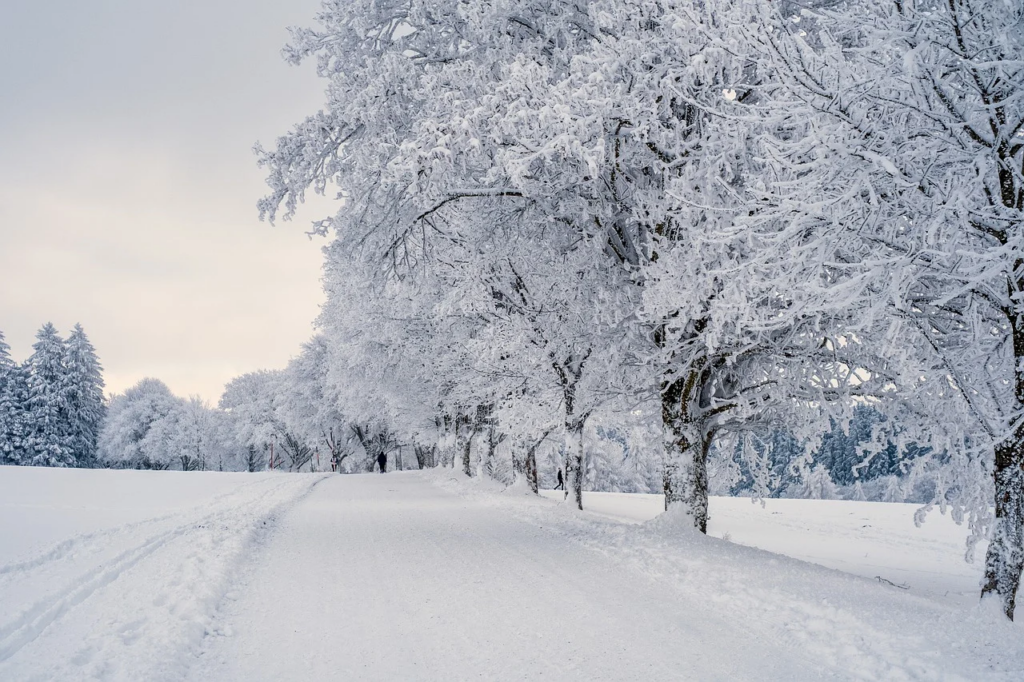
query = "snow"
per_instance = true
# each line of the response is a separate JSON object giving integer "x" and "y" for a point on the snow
{"x": 141, "y": 562}
{"x": 126, "y": 575}
{"x": 386, "y": 578}
{"x": 869, "y": 539}
{"x": 42, "y": 506}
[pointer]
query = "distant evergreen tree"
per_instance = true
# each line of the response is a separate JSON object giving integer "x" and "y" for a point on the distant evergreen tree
{"x": 47, "y": 442}
{"x": 13, "y": 405}
{"x": 10, "y": 406}
{"x": 839, "y": 454}
{"x": 83, "y": 389}
{"x": 5, "y": 356}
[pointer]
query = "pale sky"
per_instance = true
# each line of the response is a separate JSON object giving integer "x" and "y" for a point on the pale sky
{"x": 128, "y": 185}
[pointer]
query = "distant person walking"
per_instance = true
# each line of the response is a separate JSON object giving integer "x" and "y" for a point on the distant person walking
{"x": 561, "y": 482}
{"x": 382, "y": 462}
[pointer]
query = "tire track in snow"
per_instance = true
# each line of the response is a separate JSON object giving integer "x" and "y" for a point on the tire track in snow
{"x": 30, "y": 624}
{"x": 225, "y": 521}
{"x": 62, "y": 549}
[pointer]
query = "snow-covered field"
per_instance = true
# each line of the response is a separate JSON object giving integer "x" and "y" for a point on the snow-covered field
{"x": 116, "y": 574}
{"x": 870, "y": 539}
{"x": 124, "y": 575}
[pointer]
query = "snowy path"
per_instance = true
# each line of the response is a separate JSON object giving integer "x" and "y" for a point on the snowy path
{"x": 388, "y": 577}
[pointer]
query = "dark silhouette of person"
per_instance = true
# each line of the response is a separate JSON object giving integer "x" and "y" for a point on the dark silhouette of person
{"x": 382, "y": 462}
{"x": 561, "y": 482}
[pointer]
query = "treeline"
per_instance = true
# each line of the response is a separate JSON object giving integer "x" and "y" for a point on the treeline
{"x": 51, "y": 405}
{"x": 148, "y": 427}
{"x": 701, "y": 224}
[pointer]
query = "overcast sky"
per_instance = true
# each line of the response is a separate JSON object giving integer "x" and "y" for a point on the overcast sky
{"x": 128, "y": 185}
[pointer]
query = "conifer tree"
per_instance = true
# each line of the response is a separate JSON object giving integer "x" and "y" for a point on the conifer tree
{"x": 16, "y": 405}
{"x": 5, "y": 357}
{"x": 83, "y": 390}
{"x": 47, "y": 442}
{"x": 9, "y": 406}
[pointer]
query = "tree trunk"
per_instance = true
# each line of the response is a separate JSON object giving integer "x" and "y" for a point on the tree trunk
{"x": 525, "y": 464}
{"x": 446, "y": 441}
{"x": 463, "y": 438}
{"x": 574, "y": 461}
{"x": 686, "y": 457}
{"x": 1004, "y": 560}
{"x": 424, "y": 456}
{"x": 530, "y": 465}
{"x": 492, "y": 445}
{"x": 467, "y": 451}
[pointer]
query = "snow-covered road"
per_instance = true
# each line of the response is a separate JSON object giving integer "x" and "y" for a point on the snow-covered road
{"x": 432, "y": 576}
{"x": 390, "y": 578}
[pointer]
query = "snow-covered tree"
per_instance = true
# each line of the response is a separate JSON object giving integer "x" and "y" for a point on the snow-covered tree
{"x": 13, "y": 398}
{"x": 593, "y": 126}
{"x": 197, "y": 443}
{"x": 919, "y": 111}
{"x": 892, "y": 490}
{"x": 309, "y": 407}
{"x": 138, "y": 432}
{"x": 83, "y": 386}
{"x": 249, "y": 402}
{"x": 148, "y": 427}
{"x": 47, "y": 440}
{"x": 817, "y": 484}
{"x": 761, "y": 216}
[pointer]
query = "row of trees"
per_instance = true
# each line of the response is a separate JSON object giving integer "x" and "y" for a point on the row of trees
{"x": 265, "y": 420}
{"x": 148, "y": 427}
{"x": 51, "y": 406}
{"x": 713, "y": 221}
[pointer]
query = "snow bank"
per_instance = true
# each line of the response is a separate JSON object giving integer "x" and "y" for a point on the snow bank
{"x": 140, "y": 564}
{"x": 854, "y": 627}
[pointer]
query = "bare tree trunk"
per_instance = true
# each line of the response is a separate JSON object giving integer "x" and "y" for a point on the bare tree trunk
{"x": 252, "y": 458}
{"x": 424, "y": 455}
{"x": 1004, "y": 560}
{"x": 530, "y": 469}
